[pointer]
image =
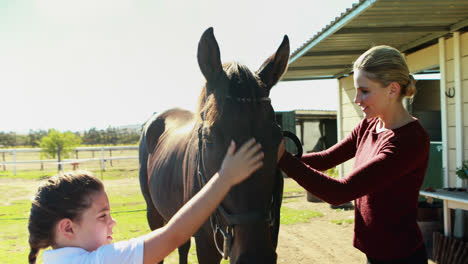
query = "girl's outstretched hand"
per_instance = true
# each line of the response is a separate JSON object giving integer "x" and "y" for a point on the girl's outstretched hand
{"x": 237, "y": 166}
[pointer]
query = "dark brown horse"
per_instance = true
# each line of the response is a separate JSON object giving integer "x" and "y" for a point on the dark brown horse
{"x": 181, "y": 150}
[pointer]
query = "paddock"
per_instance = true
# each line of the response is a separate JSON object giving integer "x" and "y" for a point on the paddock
{"x": 324, "y": 237}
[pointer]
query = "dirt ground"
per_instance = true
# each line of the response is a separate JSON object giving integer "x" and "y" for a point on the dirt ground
{"x": 319, "y": 241}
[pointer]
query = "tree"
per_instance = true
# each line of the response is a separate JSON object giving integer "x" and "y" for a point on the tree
{"x": 59, "y": 144}
{"x": 7, "y": 139}
{"x": 34, "y": 137}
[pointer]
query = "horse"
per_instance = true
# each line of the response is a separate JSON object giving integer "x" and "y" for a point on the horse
{"x": 180, "y": 150}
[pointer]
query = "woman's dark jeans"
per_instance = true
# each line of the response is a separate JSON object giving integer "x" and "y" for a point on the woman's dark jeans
{"x": 419, "y": 256}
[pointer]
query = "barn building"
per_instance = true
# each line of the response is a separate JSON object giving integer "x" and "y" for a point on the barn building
{"x": 433, "y": 35}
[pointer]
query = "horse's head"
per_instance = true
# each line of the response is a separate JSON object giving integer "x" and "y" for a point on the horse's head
{"x": 235, "y": 105}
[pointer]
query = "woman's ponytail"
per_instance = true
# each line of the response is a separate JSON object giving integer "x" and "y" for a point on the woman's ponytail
{"x": 411, "y": 87}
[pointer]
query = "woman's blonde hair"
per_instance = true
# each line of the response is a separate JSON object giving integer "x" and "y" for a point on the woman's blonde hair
{"x": 386, "y": 64}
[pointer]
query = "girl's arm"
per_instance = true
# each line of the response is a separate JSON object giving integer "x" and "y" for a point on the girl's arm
{"x": 235, "y": 168}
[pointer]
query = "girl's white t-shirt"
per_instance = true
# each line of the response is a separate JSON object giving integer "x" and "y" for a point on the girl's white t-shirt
{"x": 130, "y": 252}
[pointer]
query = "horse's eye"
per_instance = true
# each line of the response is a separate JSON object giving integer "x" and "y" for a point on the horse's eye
{"x": 208, "y": 137}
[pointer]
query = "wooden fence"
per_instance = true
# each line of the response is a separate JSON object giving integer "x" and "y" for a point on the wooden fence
{"x": 31, "y": 158}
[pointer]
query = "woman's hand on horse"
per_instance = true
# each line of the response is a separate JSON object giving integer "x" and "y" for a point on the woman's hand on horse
{"x": 281, "y": 150}
{"x": 237, "y": 166}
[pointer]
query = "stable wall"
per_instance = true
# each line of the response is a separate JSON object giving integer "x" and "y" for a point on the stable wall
{"x": 350, "y": 115}
{"x": 451, "y": 105}
{"x": 311, "y": 134}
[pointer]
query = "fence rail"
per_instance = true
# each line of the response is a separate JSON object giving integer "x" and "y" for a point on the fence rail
{"x": 76, "y": 149}
{"x": 65, "y": 161}
{"x": 75, "y": 162}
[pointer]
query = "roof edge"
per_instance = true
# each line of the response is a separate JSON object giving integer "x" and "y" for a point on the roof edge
{"x": 332, "y": 28}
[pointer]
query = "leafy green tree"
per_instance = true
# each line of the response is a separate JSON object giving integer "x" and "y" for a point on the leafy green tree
{"x": 34, "y": 137}
{"x": 111, "y": 136}
{"x": 7, "y": 139}
{"x": 58, "y": 144}
{"x": 93, "y": 136}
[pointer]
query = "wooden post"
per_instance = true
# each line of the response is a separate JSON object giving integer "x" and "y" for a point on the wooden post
{"x": 14, "y": 159}
{"x": 110, "y": 153}
{"x": 4, "y": 167}
{"x": 435, "y": 246}
{"x": 103, "y": 161}
{"x": 59, "y": 158}
{"x": 447, "y": 219}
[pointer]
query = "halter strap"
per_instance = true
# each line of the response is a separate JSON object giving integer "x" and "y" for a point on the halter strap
{"x": 249, "y": 99}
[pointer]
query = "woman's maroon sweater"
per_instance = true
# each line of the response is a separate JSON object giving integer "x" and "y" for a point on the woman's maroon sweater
{"x": 389, "y": 169}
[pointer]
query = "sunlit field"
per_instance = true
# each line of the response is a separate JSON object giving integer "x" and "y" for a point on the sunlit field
{"x": 127, "y": 205}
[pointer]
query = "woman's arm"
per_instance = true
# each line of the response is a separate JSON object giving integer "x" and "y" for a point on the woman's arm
{"x": 331, "y": 157}
{"x": 327, "y": 159}
{"x": 336, "y": 154}
{"x": 235, "y": 168}
{"x": 382, "y": 169}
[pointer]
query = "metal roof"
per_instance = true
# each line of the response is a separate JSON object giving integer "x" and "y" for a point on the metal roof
{"x": 404, "y": 24}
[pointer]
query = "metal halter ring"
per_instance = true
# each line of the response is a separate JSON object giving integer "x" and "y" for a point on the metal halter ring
{"x": 227, "y": 240}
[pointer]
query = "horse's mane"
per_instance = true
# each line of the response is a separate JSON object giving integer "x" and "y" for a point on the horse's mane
{"x": 242, "y": 83}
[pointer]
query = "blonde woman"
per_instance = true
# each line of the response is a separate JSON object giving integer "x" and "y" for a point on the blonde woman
{"x": 391, "y": 151}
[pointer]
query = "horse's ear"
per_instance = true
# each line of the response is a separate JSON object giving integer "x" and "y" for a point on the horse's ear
{"x": 209, "y": 58}
{"x": 274, "y": 67}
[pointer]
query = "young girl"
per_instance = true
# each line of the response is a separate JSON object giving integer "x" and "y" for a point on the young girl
{"x": 391, "y": 151}
{"x": 71, "y": 213}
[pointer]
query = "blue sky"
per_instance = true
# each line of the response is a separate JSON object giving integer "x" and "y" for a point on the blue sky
{"x": 73, "y": 65}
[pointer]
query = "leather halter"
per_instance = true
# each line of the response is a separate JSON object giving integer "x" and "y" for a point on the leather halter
{"x": 249, "y": 100}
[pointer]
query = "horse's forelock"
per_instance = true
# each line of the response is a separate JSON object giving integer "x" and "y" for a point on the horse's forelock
{"x": 242, "y": 83}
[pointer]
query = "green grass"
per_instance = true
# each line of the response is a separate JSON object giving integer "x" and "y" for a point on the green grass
{"x": 291, "y": 187}
{"x": 16, "y": 210}
{"x": 27, "y": 175}
{"x": 343, "y": 221}
{"x": 14, "y": 241}
{"x": 127, "y": 205}
{"x": 289, "y": 200}
{"x": 291, "y": 216}
{"x": 109, "y": 174}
